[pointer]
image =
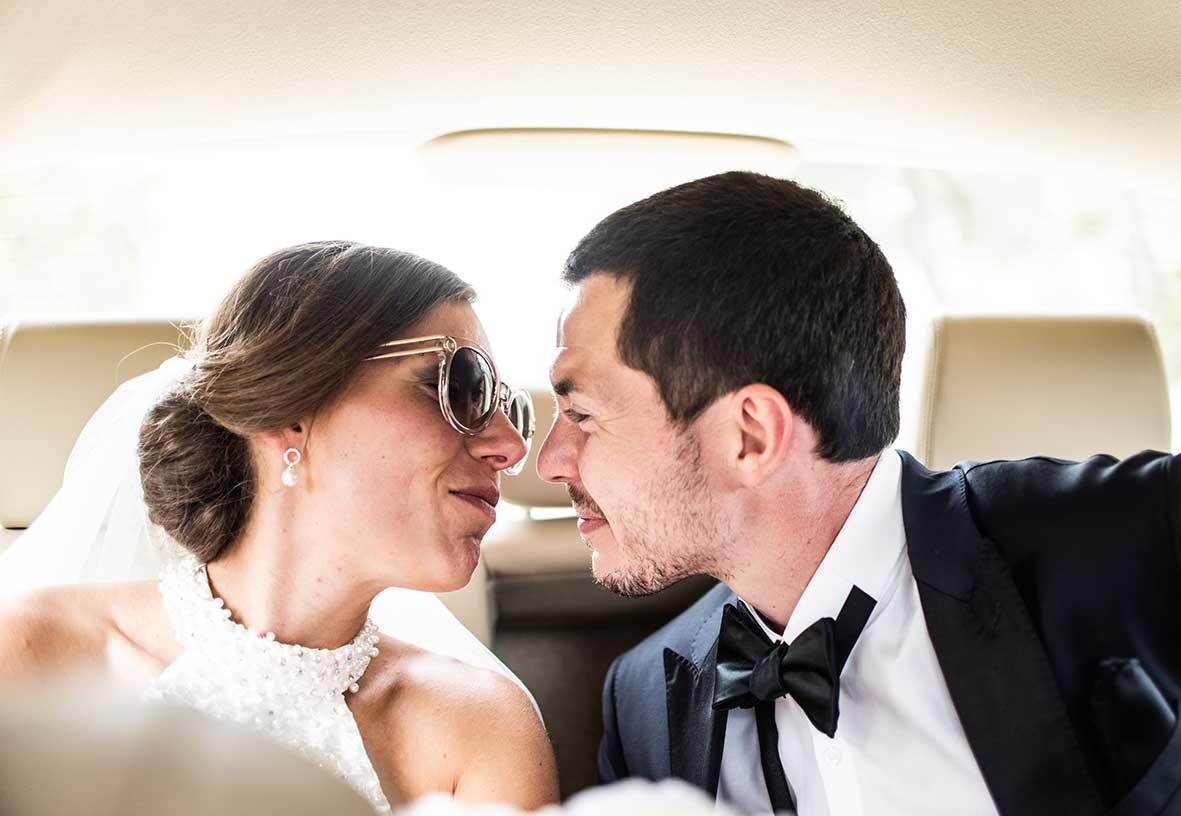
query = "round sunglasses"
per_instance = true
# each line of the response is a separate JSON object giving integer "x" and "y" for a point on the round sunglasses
{"x": 470, "y": 390}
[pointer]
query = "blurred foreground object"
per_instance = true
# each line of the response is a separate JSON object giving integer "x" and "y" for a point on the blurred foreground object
{"x": 669, "y": 796}
{"x": 75, "y": 751}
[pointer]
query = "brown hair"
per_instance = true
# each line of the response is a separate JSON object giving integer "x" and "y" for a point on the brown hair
{"x": 287, "y": 338}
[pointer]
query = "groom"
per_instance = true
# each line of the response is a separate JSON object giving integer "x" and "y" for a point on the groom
{"x": 1002, "y": 637}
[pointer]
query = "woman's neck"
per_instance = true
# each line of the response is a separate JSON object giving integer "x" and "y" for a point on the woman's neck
{"x": 273, "y": 584}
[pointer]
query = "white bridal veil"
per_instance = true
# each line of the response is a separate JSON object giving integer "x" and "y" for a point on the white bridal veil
{"x": 96, "y": 528}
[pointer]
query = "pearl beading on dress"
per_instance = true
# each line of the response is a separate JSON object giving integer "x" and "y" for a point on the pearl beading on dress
{"x": 292, "y": 693}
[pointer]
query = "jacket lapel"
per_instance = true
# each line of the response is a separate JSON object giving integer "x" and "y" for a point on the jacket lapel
{"x": 996, "y": 670}
{"x": 696, "y": 732}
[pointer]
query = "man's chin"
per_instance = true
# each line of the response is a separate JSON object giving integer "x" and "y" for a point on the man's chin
{"x": 619, "y": 580}
{"x": 600, "y": 570}
{"x": 604, "y": 552}
{"x": 626, "y": 586}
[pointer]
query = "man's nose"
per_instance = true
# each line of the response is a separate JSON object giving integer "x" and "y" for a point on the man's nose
{"x": 556, "y": 461}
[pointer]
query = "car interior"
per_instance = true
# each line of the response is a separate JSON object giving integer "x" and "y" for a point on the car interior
{"x": 532, "y": 599}
{"x": 836, "y": 92}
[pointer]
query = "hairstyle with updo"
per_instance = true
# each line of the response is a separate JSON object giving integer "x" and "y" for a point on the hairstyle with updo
{"x": 286, "y": 339}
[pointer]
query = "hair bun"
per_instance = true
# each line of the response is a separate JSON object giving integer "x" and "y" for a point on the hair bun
{"x": 196, "y": 474}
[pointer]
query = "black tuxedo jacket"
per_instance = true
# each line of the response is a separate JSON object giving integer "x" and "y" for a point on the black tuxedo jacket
{"x": 1029, "y": 574}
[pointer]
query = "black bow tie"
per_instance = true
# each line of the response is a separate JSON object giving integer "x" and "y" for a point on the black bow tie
{"x": 752, "y": 670}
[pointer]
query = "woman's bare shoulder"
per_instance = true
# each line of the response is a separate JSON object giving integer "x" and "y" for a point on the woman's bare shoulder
{"x": 419, "y": 684}
{"x": 64, "y": 628}
{"x": 472, "y": 731}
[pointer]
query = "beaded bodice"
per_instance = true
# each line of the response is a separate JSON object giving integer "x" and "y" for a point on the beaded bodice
{"x": 294, "y": 694}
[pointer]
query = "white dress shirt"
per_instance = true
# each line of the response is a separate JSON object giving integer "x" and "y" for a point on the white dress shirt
{"x": 899, "y": 746}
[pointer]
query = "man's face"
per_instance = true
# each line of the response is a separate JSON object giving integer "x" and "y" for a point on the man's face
{"x": 637, "y": 480}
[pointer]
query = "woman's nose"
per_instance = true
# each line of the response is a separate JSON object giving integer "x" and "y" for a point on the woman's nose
{"x": 500, "y": 444}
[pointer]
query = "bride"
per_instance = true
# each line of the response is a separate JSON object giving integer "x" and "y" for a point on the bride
{"x": 337, "y": 429}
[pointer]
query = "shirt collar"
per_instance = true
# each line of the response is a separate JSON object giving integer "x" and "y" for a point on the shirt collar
{"x": 866, "y": 553}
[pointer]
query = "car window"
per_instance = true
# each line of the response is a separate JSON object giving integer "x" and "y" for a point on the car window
{"x": 167, "y": 233}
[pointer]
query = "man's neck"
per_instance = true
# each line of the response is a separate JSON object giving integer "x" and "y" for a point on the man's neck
{"x": 789, "y": 535}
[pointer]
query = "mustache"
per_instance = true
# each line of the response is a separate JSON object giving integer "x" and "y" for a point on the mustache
{"x": 582, "y": 502}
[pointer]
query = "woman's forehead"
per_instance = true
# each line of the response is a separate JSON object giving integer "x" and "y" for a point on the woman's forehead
{"x": 456, "y": 319}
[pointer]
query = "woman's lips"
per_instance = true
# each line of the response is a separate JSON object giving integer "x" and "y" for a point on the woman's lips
{"x": 478, "y": 503}
{"x": 586, "y": 526}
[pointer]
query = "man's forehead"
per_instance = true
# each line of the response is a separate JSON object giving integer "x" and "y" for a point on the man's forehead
{"x": 587, "y": 331}
{"x": 577, "y": 368}
{"x": 592, "y": 313}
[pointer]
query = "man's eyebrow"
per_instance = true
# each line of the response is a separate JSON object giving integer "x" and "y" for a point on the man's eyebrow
{"x": 565, "y": 386}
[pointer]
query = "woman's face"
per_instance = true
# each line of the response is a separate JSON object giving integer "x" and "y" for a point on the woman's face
{"x": 384, "y": 473}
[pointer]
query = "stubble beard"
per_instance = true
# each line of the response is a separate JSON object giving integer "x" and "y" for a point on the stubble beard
{"x": 673, "y": 533}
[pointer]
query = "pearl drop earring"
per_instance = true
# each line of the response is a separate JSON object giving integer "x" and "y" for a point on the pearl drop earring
{"x": 291, "y": 456}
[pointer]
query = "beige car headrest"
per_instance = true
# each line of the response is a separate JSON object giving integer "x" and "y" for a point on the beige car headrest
{"x": 529, "y": 489}
{"x": 54, "y": 373}
{"x": 1070, "y": 387}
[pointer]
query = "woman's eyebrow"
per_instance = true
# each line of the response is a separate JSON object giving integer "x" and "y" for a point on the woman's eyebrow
{"x": 428, "y": 369}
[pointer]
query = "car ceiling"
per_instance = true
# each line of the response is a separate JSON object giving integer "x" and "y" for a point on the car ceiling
{"x": 1055, "y": 85}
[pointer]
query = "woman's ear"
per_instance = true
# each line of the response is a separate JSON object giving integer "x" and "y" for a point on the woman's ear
{"x": 764, "y": 422}
{"x": 293, "y": 436}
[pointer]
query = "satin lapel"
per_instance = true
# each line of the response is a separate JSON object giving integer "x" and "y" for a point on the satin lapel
{"x": 996, "y": 670}
{"x": 696, "y": 732}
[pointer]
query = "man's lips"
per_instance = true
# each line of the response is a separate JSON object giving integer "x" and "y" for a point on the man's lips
{"x": 482, "y": 498}
{"x": 588, "y": 524}
{"x": 590, "y": 517}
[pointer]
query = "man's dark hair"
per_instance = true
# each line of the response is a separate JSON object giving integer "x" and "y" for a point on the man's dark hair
{"x": 742, "y": 278}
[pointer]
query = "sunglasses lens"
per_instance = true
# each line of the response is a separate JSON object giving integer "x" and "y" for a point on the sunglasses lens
{"x": 520, "y": 414}
{"x": 470, "y": 388}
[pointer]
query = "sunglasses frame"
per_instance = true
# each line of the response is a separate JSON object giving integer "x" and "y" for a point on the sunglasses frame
{"x": 446, "y": 347}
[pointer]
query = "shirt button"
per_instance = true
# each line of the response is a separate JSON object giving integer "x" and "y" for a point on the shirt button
{"x": 833, "y": 755}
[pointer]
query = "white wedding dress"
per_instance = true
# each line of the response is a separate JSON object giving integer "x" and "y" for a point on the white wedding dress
{"x": 293, "y": 694}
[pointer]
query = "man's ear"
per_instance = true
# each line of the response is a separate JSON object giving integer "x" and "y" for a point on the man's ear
{"x": 765, "y": 424}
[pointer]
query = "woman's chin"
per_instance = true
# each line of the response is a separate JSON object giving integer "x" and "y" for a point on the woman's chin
{"x": 446, "y": 565}
{"x": 456, "y": 572}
